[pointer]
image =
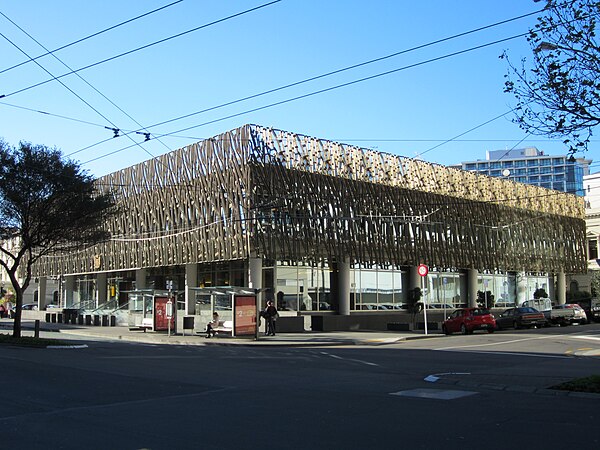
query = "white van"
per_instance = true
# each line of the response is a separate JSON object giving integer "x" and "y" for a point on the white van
{"x": 541, "y": 304}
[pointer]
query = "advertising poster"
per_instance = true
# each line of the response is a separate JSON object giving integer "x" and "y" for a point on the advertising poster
{"x": 160, "y": 315}
{"x": 244, "y": 315}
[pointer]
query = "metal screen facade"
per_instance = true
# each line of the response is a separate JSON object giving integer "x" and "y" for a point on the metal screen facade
{"x": 260, "y": 192}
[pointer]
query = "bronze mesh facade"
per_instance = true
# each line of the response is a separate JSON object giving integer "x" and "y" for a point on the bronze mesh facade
{"x": 256, "y": 191}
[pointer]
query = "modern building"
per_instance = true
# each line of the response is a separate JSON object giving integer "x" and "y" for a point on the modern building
{"x": 331, "y": 231}
{"x": 531, "y": 166}
{"x": 582, "y": 282}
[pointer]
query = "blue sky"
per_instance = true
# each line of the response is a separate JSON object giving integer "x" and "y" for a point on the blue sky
{"x": 408, "y": 112}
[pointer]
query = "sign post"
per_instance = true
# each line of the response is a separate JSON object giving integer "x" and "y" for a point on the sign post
{"x": 423, "y": 270}
{"x": 169, "y": 315}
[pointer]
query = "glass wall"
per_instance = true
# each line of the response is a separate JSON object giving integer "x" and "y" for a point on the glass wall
{"x": 443, "y": 290}
{"x": 84, "y": 293}
{"x": 375, "y": 289}
{"x": 302, "y": 287}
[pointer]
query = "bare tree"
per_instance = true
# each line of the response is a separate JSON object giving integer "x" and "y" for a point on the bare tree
{"x": 558, "y": 95}
{"x": 47, "y": 205}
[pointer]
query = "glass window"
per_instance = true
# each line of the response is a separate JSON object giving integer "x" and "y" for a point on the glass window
{"x": 532, "y": 162}
{"x": 495, "y": 173}
{"x": 507, "y": 164}
{"x": 558, "y": 161}
{"x": 545, "y": 162}
{"x": 470, "y": 166}
{"x": 520, "y": 163}
{"x": 593, "y": 249}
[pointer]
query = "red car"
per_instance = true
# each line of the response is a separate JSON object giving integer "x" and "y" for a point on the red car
{"x": 467, "y": 320}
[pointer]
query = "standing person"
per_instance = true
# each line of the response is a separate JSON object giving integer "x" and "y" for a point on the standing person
{"x": 271, "y": 315}
{"x": 214, "y": 323}
{"x": 2, "y": 311}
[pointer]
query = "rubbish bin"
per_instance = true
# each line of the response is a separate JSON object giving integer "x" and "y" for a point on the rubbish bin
{"x": 48, "y": 317}
{"x": 96, "y": 320}
{"x": 80, "y": 319}
{"x": 113, "y": 321}
{"x": 104, "y": 321}
{"x": 88, "y": 319}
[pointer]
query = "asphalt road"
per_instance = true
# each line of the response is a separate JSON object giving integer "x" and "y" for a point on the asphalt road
{"x": 485, "y": 391}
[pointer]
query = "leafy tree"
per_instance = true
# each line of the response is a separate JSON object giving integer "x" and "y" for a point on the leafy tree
{"x": 559, "y": 94}
{"x": 574, "y": 296}
{"x": 595, "y": 283}
{"x": 540, "y": 293}
{"x": 47, "y": 205}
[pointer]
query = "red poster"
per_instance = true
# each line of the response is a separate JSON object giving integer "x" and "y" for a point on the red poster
{"x": 244, "y": 315}
{"x": 160, "y": 315}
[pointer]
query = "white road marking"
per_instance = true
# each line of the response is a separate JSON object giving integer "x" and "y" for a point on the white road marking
{"x": 350, "y": 359}
{"x": 535, "y": 355}
{"x": 67, "y": 346}
{"x": 594, "y": 338}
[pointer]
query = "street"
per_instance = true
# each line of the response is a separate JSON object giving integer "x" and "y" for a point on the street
{"x": 484, "y": 390}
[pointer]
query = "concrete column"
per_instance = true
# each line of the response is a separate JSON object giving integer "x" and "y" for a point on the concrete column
{"x": 140, "y": 279}
{"x": 191, "y": 281}
{"x": 414, "y": 279}
{"x": 255, "y": 278}
{"x": 102, "y": 290}
{"x": 472, "y": 287}
{"x": 552, "y": 287}
{"x": 69, "y": 288}
{"x": 521, "y": 288}
{"x": 561, "y": 288}
{"x": 344, "y": 287}
{"x": 41, "y": 293}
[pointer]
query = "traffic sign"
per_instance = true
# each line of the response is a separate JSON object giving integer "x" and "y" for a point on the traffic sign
{"x": 422, "y": 270}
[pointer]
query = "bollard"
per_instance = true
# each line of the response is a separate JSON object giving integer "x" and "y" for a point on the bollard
{"x": 36, "y": 331}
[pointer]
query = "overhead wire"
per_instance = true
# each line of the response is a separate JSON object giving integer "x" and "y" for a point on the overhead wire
{"x": 331, "y": 88}
{"x": 48, "y": 52}
{"x": 448, "y": 38}
{"x": 120, "y": 55}
{"x": 86, "y": 82}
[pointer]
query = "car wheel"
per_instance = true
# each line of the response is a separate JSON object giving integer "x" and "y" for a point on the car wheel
{"x": 463, "y": 329}
{"x": 490, "y": 330}
{"x": 516, "y": 325}
{"x": 445, "y": 329}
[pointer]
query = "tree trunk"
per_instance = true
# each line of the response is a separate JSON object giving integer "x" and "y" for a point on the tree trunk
{"x": 18, "y": 311}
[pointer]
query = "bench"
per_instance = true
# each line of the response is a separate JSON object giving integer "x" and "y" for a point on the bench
{"x": 147, "y": 324}
{"x": 224, "y": 327}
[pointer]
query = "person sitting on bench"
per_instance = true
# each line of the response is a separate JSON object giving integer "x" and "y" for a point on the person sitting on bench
{"x": 210, "y": 326}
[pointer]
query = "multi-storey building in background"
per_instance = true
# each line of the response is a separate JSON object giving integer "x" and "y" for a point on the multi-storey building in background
{"x": 531, "y": 166}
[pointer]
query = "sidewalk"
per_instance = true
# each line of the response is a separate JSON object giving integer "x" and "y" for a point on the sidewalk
{"x": 308, "y": 338}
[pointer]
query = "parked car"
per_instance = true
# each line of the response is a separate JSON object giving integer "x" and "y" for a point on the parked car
{"x": 591, "y": 306}
{"x": 523, "y": 317}
{"x": 30, "y": 307}
{"x": 556, "y": 315}
{"x": 579, "y": 315}
{"x": 467, "y": 320}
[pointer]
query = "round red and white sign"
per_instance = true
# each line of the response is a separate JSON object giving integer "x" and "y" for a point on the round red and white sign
{"x": 422, "y": 270}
